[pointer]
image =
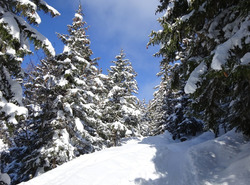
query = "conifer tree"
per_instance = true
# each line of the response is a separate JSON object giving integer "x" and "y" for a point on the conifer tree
{"x": 170, "y": 109}
{"x": 157, "y": 110}
{"x": 16, "y": 18}
{"x": 121, "y": 108}
{"x": 16, "y": 33}
{"x": 145, "y": 119}
{"x": 211, "y": 41}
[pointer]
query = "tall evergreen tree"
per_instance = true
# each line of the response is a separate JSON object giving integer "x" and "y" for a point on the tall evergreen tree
{"x": 16, "y": 33}
{"x": 145, "y": 121}
{"x": 170, "y": 109}
{"x": 157, "y": 110}
{"x": 121, "y": 108}
{"x": 211, "y": 40}
{"x": 16, "y": 18}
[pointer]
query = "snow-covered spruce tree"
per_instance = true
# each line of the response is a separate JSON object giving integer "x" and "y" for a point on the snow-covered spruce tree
{"x": 179, "y": 119}
{"x": 16, "y": 17}
{"x": 145, "y": 121}
{"x": 77, "y": 46}
{"x": 16, "y": 33}
{"x": 156, "y": 109}
{"x": 211, "y": 39}
{"x": 121, "y": 107}
{"x": 170, "y": 108}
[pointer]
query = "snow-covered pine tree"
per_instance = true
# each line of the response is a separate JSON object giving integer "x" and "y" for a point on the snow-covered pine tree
{"x": 211, "y": 40}
{"x": 16, "y": 17}
{"x": 179, "y": 119}
{"x": 121, "y": 108}
{"x": 170, "y": 108}
{"x": 16, "y": 33}
{"x": 145, "y": 121}
{"x": 156, "y": 110}
{"x": 101, "y": 89}
{"x": 77, "y": 46}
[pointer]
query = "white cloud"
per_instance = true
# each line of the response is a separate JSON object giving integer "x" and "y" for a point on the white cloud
{"x": 122, "y": 18}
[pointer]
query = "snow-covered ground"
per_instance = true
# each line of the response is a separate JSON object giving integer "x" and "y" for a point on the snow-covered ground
{"x": 159, "y": 160}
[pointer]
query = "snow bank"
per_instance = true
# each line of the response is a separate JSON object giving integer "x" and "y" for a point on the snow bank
{"x": 159, "y": 160}
{"x": 111, "y": 166}
{"x": 223, "y": 161}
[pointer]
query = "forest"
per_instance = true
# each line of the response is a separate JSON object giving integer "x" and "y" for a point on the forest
{"x": 65, "y": 106}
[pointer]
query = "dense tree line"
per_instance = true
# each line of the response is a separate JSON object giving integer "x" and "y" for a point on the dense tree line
{"x": 69, "y": 107}
{"x": 205, "y": 67}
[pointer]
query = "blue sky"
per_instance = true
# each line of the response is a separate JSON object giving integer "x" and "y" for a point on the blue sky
{"x": 114, "y": 25}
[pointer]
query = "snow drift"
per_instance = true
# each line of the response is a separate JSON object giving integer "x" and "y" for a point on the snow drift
{"x": 159, "y": 160}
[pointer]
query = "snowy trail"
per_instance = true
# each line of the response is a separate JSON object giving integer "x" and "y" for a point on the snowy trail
{"x": 159, "y": 160}
{"x": 173, "y": 162}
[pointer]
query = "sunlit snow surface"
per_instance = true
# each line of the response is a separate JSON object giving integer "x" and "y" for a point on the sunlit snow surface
{"x": 159, "y": 160}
